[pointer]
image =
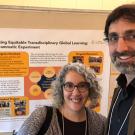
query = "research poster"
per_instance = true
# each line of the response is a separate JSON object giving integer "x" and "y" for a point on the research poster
{"x": 30, "y": 60}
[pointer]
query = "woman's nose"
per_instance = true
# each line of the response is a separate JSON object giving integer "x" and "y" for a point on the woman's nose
{"x": 76, "y": 90}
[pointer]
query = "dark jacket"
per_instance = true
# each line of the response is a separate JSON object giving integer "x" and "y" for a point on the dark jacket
{"x": 131, "y": 125}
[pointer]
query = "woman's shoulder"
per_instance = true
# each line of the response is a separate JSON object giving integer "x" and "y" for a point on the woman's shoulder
{"x": 32, "y": 124}
{"x": 40, "y": 111}
{"x": 39, "y": 114}
{"x": 96, "y": 116}
{"x": 97, "y": 122}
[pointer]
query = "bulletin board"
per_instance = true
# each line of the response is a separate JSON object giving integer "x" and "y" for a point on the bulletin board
{"x": 30, "y": 18}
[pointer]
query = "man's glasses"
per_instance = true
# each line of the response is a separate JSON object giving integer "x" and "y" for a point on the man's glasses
{"x": 82, "y": 86}
{"x": 129, "y": 38}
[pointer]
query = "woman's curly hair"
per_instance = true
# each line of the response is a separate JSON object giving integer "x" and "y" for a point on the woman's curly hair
{"x": 89, "y": 76}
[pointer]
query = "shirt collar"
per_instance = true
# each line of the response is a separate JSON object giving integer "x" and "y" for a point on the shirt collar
{"x": 122, "y": 81}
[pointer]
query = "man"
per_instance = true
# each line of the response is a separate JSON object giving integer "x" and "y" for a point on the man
{"x": 120, "y": 35}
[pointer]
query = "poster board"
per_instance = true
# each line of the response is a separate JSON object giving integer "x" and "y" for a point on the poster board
{"x": 43, "y": 19}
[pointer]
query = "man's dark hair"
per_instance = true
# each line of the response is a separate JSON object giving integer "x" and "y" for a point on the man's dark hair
{"x": 126, "y": 12}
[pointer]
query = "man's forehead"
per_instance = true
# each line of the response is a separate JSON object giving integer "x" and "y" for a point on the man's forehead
{"x": 121, "y": 26}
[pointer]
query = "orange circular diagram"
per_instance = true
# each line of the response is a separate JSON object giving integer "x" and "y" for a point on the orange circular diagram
{"x": 48, "y": 94}
{"x": 35, "y": 90}
{"x": 35, "y": 76}
{"x": 49, "y": 72}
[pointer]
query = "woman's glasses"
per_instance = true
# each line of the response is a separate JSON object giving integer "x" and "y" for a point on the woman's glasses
{"x": 82, "y": 86}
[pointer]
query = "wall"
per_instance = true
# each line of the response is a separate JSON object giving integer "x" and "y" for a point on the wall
{"x": 71, "y": 4}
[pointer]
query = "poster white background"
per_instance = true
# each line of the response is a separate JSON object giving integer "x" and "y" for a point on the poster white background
{"x": 46, "y": 48}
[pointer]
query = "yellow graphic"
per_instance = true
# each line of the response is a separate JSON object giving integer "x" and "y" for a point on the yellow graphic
{"x": 35, "y": 90}
{"x": 34, "y": 76}
{"x": 14, "y": 106}
{"x": 14, "y": 64}
{"x": 48, "y": 94}
{"x": 92, "y": 59}
{"x": 38, "y": 81}
{"x": 49, "y": 72}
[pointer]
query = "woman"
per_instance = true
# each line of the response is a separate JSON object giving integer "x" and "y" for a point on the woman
{"x": 74, "y": 85}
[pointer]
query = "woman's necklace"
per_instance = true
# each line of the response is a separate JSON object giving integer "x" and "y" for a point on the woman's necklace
{"x": 64, "y": 124}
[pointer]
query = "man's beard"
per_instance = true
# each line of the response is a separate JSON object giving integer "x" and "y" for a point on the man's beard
{"x": 124, "y": 67}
